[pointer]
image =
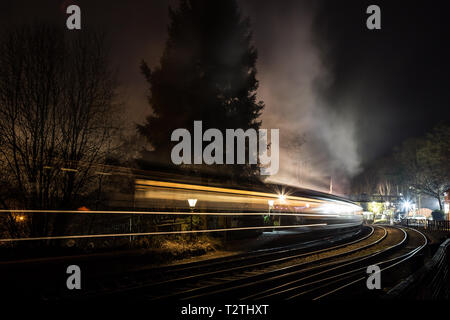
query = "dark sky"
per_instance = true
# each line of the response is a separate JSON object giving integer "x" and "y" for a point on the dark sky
{"x": 353, "y": 93}
{"x": 397, "y": 79}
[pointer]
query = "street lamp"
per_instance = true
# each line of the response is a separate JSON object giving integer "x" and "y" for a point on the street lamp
{"x": 282, "y": 198}
{"x": 192, "y": 203}
{"x": 270, "y": 202}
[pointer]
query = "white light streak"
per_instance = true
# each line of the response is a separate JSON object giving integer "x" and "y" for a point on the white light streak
{"x": 158, "y": 233}
{"x": 174, "y": 213}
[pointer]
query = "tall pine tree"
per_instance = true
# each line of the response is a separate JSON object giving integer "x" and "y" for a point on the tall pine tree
{"x": 207, "y": 72}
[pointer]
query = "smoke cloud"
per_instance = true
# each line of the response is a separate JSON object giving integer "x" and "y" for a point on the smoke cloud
{"x": 317, "y": 142}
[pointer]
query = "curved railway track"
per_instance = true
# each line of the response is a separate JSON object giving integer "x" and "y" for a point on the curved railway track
{"x": 277, "y": 274}
{"x": 150, "y": 278}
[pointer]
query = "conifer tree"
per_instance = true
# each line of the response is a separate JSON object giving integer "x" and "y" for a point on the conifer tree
{"x": 207, "y": 72}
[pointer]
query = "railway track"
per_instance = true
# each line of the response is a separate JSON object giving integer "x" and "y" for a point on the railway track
{"x": 276, "y": 274}
{"x": 224, "y": 269}
{"x": 145, "y": 278}
{"x": 342, "y": 277}
{"x": 254, "y": 281}
{"x": 389, "y": 264}
{"x": 326, "y": 280}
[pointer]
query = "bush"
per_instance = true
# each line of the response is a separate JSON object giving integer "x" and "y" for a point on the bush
{"x": 438, "y": 215}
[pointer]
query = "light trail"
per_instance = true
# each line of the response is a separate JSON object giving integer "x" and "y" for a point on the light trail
{"x": 158, "y": 233}
{"x": 193, "y": 187}
{"x": 151, "y": 193}
{"x": 175, "y": 213}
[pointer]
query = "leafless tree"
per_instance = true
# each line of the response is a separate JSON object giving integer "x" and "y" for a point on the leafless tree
{"x": 57, "y": 117}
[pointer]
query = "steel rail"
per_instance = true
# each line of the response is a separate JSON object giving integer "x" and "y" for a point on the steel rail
{"x": 234, "y": 269}
{"x": 337, "y": 265}
{"x": 268, "y": 273}
{"x": 259, "y": 254}
{"x": 402, "y": 259}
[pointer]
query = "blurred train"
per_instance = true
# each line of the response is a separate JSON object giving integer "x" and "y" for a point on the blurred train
{"x": 239, "y": 206}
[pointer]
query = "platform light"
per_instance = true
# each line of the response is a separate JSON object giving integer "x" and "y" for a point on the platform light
{"x": 192, "y": 202}
{"x": 282, "y": 197}
{"x": 270, "y": 202}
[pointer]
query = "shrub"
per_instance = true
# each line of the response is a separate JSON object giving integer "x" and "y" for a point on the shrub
{"x": 438, "y": 215}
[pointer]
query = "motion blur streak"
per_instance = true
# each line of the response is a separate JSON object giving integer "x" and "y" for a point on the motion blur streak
{"x": 174, "y": 213}
{"x": 173, "y": 199}
{"x": 215, "y": 189}
{"x": 159, "y": 233}
{"x": 160, "y": 194}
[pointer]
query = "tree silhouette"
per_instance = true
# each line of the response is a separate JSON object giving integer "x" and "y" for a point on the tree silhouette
{"x": 56, "y": 118}
{"x": 426, "y": 162}
{"x": 207, "y": 72}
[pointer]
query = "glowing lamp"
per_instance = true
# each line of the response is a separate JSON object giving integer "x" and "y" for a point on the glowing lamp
{"x": 406, "y": 205}
{"x": 192, "y": 202}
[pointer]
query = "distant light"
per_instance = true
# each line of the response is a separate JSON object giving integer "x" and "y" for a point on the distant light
{"x": 387, "y": 203}
{"x": 192, "y": 202}
{"x": 270, "y": 202}
{"x": 307, "y": 205}
{"x": 406, "y": 205}
{"x": 282, "y": 197}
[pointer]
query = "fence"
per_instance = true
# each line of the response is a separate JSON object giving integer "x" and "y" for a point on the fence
{"x": 430, "y": 225}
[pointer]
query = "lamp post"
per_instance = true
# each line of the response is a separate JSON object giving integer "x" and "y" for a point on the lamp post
{"x": 192, "y": 203}
{"x": 267, "y": 221}
{"x": 270, "y": 202}
{"x": 282, "y": 199}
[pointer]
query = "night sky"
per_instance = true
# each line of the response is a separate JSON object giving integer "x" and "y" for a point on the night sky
{"x": 352, "y": 93}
